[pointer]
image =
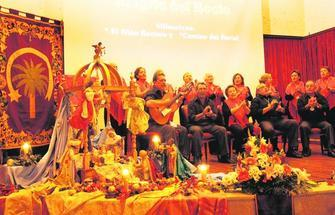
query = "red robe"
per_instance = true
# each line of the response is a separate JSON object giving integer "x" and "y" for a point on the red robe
{"x": 323, "y": 85}
{"x": 243, "y": 92}
{"x": 293, "y": 90}
{"x": 240, "y": 116}
{"x": 77, "y": 120}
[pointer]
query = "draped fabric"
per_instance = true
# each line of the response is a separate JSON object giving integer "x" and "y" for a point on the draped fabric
{"x": 307, "y": 54}
{"x": 281, "y": 57}
{"x": 31, "y": 57}
{"x": 41, "y": 200}
{"x": 45, "y": 168}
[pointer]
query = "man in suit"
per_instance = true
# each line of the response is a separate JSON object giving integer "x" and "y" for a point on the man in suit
{"x": 312, "y": 108}
{"x": 202, "y": 116}
{"x": 267, "y": 110}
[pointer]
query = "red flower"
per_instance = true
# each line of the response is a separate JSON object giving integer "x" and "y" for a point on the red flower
{"x": 270, "y": 148}
{"x": 287, "y": 170}
{"x": 247, "y": 148}
{"x": 263, "y": 148}
{"x": 243, "y": 174}
{"x": 257, "y": 130}
{"x": 276, "y": 159}
{"x": 250, "y": 161}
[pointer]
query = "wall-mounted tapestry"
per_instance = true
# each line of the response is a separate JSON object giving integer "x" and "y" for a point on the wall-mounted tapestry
{"x": 31, "y": 64}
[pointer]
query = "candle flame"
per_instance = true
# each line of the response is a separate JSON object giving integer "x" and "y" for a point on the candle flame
{"x": 125, "y": 172}
{"x": 203, "y": 168}
{"x": 156, "y": 139}
{"x": 26, "y": 147}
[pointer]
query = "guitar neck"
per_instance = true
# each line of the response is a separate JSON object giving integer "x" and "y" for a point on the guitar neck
{"x": 174, "y": 99}
{"x": 187, "y": 90}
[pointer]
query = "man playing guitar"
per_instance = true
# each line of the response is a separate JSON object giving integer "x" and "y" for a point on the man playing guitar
{"x": 161, "y": 105}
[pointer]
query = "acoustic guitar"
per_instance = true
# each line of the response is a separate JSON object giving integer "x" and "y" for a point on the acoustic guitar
{"x": 163, "y": 114}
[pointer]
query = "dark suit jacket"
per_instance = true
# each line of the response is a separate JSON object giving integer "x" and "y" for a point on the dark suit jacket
{"x": 316, "y": 115}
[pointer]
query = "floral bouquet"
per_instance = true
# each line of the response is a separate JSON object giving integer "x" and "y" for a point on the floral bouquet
{"x": 261, "y": 171}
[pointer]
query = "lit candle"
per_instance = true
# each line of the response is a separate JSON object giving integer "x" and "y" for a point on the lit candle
{"x": 125, "y": 176}
{"x": 203, "y": 170}
{"x": 25, "y": 149}
{"x": 156, "y": 140}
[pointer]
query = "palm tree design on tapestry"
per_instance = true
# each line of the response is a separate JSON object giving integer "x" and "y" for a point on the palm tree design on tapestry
{"x": 33, "y": 81}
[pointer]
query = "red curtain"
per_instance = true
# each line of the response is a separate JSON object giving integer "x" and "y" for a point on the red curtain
{"x": 281, "y": 56}
{"x": 307, "y": 54}
{"x": 319, "y": 49}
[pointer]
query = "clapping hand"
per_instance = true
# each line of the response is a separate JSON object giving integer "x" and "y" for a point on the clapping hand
{"x": 273, "y": 103}
{"x": 244, "y": 104}
{"x": 208, "y": 111}
{"x": 300, "y": 90}
{"x": 312, "y": 102}
{"x": 280, "y": 109}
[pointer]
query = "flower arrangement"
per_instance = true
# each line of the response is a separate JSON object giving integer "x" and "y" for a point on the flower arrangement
{"x": 261, "y": 171}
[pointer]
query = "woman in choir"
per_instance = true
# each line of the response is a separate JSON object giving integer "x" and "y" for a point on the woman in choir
{"x": 266, "y": 79}
{"x": 142, "y": 85}
{"x": 214, "y": 92}
{"x": 293, "y": 92}
{"x": 326, "y": 87}
{"x": 188, "y": 85}
{"x": 237, "y": 110}
{"x": 242, "y": 90}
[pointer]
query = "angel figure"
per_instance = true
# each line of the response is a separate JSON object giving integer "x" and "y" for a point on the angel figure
{"x": 98, "y": 49}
